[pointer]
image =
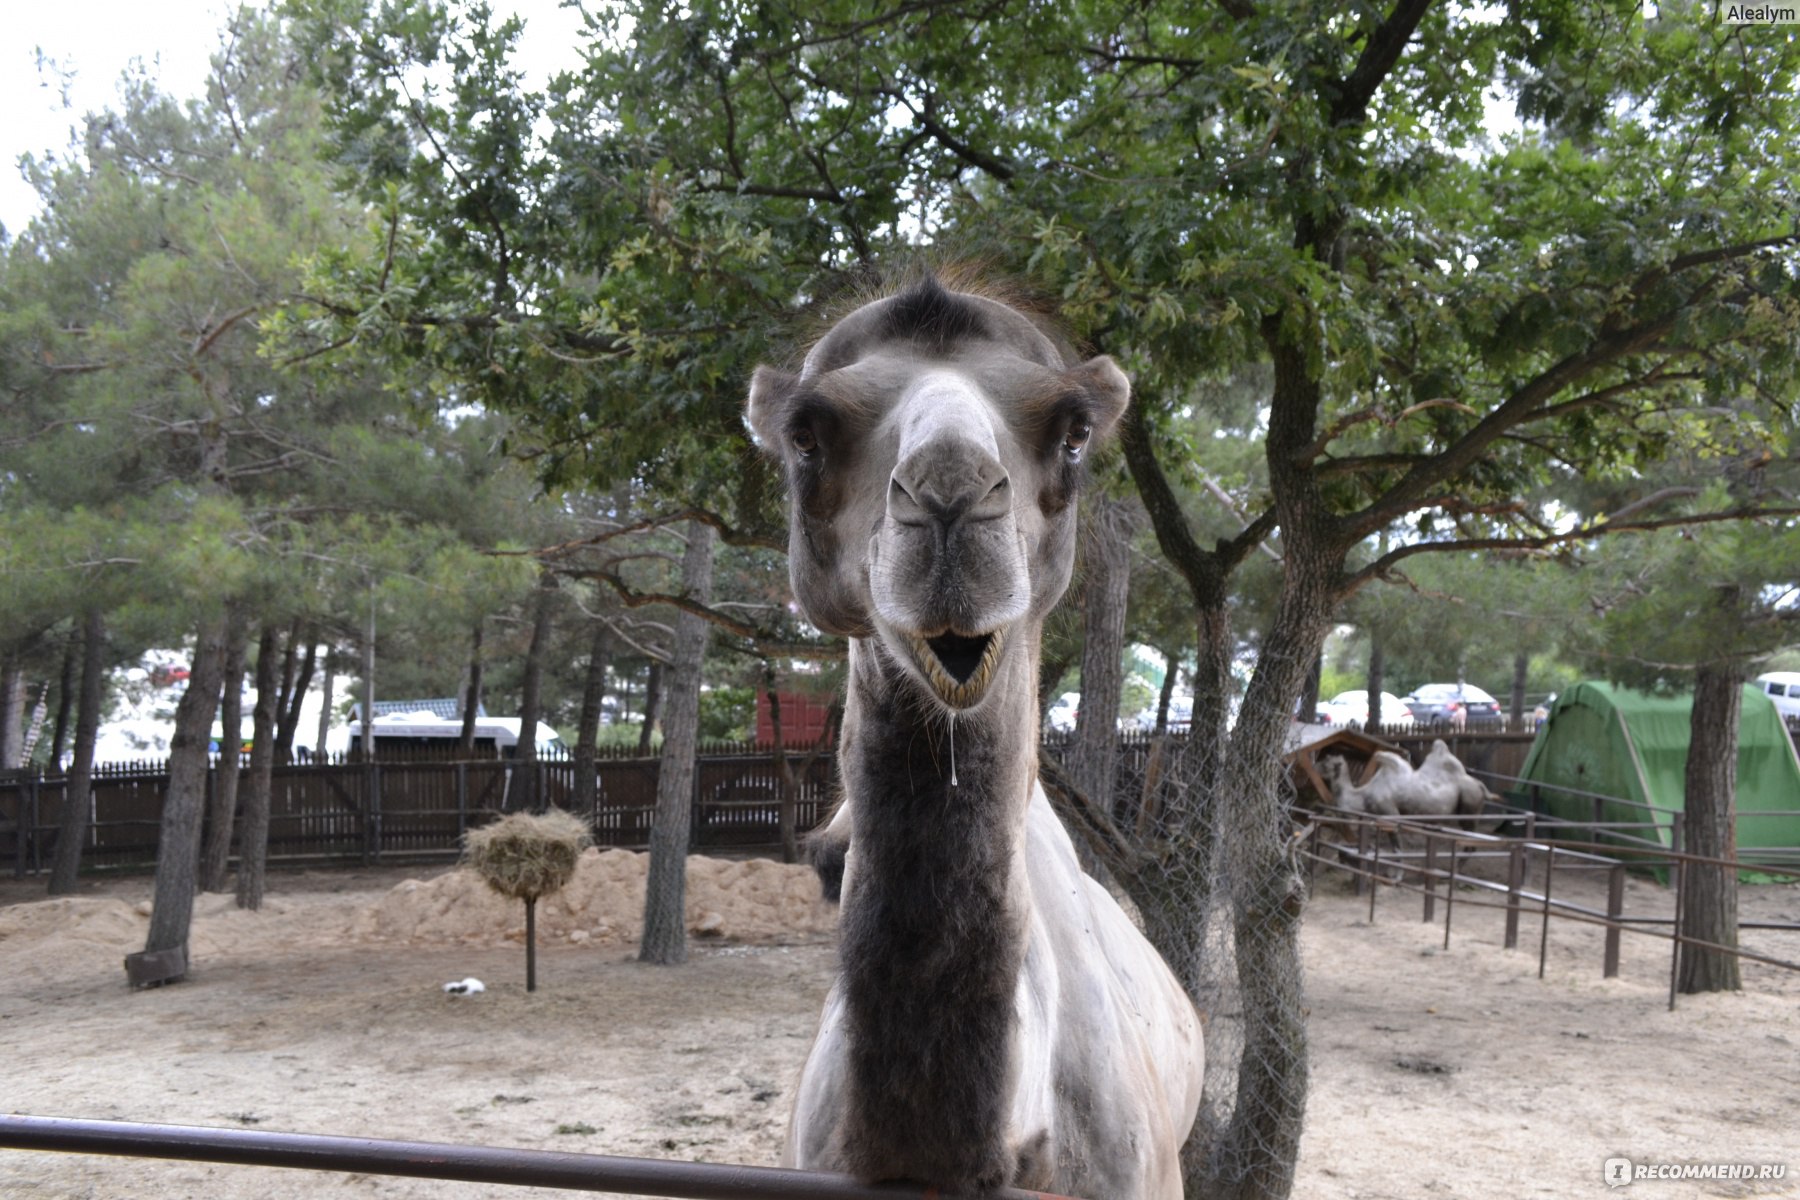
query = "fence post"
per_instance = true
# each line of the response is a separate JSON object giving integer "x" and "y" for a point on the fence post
{"x": 1676, "y": 840}
{"x": 1431, "y": 877}
{"x": 37, "y": 816}
{"x": 1375, "y": 877}
{"x": 1615, "y": 908}
{"x": 1544, "y": 936}
{"x": 372, "y": 819}
{"x": 1362, "y": 854}
{"x": 462, "y": 801}
{"x": 1450, "y": 898}
{"x": 19, "y": 834}
{"x": 1515, "y": 879}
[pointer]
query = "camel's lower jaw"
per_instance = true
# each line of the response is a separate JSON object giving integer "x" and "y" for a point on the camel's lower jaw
{"x": 958, "y": 669}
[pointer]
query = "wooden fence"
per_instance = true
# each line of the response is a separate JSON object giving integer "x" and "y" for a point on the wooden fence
{"x": 417, "y": 805}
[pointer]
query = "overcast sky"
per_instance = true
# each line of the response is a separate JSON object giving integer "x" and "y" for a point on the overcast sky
{"x": 96, "y": 39}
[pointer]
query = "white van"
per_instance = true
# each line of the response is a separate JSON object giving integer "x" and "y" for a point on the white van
{"x": 1783, "y": 687}
{"x": 497, "y": 737}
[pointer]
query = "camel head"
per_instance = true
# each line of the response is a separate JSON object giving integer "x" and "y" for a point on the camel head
{"x": 933, "y": 443}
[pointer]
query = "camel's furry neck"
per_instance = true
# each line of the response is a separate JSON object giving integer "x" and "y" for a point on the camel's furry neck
{"x": 934, "y": 924}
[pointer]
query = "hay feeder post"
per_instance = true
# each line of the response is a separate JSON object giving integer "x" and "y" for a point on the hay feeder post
{"x": 526, "y": 856}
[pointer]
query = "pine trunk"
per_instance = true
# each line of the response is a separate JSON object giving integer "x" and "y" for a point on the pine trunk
{"x": 1377, "y": 669}
{"x": 471, "y": 698}
{"x": 293, "y": 692}
{"x": 253, "y": 853}
{"x": 784, "y": 776}
{"x": 72, "y": 833}
{"x": 526, "y": 796}
{"x": 1307, "y": 710}
{"x": 12, "y": 713}
{"x": 1170, "y": 673}
{"x": 178, "y": 844}
{"x": 587, "y": 736}
{"x": 1709, "y": 896}
{"x": 65, "y": 699}
{"x": 221, "y": 809}
{"x": 1105, "y": 592}
{"x": 322, "y": 742}
{"x": 653, "y": 702}
{"x": 665, "y": 896}
{"x": 1521, "y": 670}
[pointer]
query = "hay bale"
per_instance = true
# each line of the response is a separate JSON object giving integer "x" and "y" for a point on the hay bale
{"x": 527, "y": 855}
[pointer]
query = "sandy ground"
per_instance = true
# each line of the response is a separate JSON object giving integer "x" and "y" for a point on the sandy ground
{"x": 1435, "y": 1073}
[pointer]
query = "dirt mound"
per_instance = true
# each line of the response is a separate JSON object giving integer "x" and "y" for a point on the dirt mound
{"x": 752, "y": 901}
{"x": 95, "y": 920}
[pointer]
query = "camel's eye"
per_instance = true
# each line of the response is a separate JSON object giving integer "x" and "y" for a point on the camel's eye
{"x": 1077, "y": 438}
{"x": 805, "y": 442}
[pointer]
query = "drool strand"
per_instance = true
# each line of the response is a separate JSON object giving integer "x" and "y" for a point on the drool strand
{"x": 952, "y": 749}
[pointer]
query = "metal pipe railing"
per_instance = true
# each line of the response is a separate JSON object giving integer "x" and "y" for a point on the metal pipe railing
{"x": 468, "y": 1164}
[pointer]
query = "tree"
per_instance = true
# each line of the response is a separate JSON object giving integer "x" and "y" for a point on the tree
{"x": 72, "y": 830}
{"x": 665, "y": 905}
{"x": 1444, "y": 325}
{"x": 1698, "y": 608}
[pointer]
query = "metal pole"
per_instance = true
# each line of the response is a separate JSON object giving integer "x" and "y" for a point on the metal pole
{"x": 1450, "y": 897}
{"x": 1431, "y": 877}
{"x": 1515, "y": 879}
{"x": 1615, "y": 908}
{"x": 1375, "y": 876}
{"x": 1544, "y": 937}
{"x": 438, "y": 1160}
{"x": 1675, "y": 839}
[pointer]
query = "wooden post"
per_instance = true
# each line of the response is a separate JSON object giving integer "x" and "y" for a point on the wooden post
{"x": 1615, "y": 908}
{"x": 462, "y": 800}
{"x": 1515, "y": 880}
{"x": 34, "y": 808}
{"x": 19, "y": 834}
{"x": 531, "y": 943}
{"x": 372, "y": 827}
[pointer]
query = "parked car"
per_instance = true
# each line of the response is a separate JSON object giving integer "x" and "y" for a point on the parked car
{"x": 1455, "y": 704}
{"x": 1352, "y": 708}
{"x": 1061, "y": 716}
{"x": 1783, "y": 687}
{"x": 1181, "y": 715}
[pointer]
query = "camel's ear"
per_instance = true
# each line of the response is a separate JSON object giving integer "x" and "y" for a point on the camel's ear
{"x": 766, "y": 410}
{"x": 1108, "y": 391}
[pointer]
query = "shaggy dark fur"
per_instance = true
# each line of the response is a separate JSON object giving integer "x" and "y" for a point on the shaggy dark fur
{"x": 931, "y": 954}
{"x": 931, "y": 317}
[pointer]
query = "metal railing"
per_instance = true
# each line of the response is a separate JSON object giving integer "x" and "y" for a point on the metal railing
{"x": 450, "y": 1162}
{"x": 1445, "y": 839}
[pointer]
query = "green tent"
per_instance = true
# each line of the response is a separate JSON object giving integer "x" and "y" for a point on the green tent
{"x": 1631, "y": 748}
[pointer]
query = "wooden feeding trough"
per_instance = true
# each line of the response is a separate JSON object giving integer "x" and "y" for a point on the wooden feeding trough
{"x": 1353, "y": 746}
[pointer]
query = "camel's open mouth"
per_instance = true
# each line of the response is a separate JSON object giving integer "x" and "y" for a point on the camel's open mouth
{"x": 958, "y": 668}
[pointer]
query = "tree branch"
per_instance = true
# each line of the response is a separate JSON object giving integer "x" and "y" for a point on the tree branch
{"x": 1381, "y": 566}
{"x": 1379, "y": 57}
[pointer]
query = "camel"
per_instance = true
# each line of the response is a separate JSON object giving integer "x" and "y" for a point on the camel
{"x": 996, "y": 1019}
{"x": 1439, "y": 787}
